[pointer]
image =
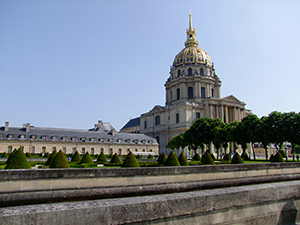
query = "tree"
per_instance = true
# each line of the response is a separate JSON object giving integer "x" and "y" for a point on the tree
{"x": 217, "y": 131}
{"x": 292, "y": 130}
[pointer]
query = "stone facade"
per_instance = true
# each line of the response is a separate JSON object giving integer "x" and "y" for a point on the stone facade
{"x": 193, "y": 90}
{"x": 102, "y": 138}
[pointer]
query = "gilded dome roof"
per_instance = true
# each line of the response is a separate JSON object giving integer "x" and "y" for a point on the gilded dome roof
{"x": 191, "y": 54}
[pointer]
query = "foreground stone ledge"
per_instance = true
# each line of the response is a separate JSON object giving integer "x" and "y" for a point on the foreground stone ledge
{"x": 276, "y": 203}
{"x": 154, "y": 171}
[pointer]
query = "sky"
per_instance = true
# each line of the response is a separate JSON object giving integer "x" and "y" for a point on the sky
{"x": 70, "y": 63}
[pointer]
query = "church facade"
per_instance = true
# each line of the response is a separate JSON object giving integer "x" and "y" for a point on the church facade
{"x": 193, "y": 90}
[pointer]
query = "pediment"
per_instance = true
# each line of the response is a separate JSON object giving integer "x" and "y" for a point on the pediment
{"x": 232, "y": 99}
{"x": 157, "y": 108}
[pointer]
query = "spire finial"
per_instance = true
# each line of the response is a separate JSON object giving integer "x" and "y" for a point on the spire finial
{"x": 191, "y": 34}
{"x": 190, "y": 20}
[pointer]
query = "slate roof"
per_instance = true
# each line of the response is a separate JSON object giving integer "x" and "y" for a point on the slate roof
{"x": 132, "y": 123}
{"x": 58, "y": 134}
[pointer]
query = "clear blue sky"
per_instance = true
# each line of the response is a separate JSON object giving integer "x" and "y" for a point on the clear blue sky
{"x": 70, "y": 63}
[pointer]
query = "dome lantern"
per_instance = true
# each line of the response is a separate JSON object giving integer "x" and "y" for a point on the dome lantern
{"x": 191, "y": 34}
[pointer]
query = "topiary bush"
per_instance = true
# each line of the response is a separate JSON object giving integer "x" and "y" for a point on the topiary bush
{"x": 51, "y": 158}
{"x": 46, "y": 155}
{"x": 130, "y": 161}
{"x": 283, "y": 154}
{"x": 213, "y": 156}
{"x": 162, "y": 158}
{"x": 4, "y": 155}
{"x": 237, "y": 159}
{"x": 18, "y": 161}
{"x": 110, "y": 156}
{"x": 172, "y": 160}
{"x": 11, "y": 155}
{"x": 227, "y": 157}
{"x": 86, "y": 158}
{"x": 245, "y": 155}
{"x": 278, "y": 158}
{"x": 116, "y": 159}
{"x": 271, "y": 158}
{"x": 76, "y": 157}
{"x": 59, "y": 161}
{"x": 182, "y": 159}
{"x": 150, "y": 156}
{"x": 207, "y": 159}
{"x": 102, "y": 158}
{"x": 27, "y": 154}
{"x": 196, "y": 157}
{"x": 138, "y": 156}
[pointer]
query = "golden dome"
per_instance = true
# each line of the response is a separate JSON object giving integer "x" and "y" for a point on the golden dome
{"x": 191, "y": 54}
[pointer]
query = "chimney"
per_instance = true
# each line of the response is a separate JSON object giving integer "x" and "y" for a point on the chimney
{"x": 27, "y": 127}
{"x": 99, "y": 123}
{"x": 113, "y": 131}
{"x": 6, "y": 126}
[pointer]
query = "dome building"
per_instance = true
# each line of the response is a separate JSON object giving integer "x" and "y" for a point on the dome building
{"x": 193, "y": 90}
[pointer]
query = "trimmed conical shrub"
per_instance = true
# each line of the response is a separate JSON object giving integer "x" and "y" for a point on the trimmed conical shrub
{"x": 116, "y": 159}
{"x": 51, "y": 158}
{"x": 245, "y": 155}
{"x": 76, "y": 157}
{"x": 18, "y": 161}
{"x": 196, "y": 157}
{"x": 102, "y": 158}
{"x": 213, "y": 156}
{"x": 60, "y": 161}
{"x": 11, "y": 155}
{"x": 110, "y": 156}
{"x": 283, "y": 154}
{"x": 207, "y": 159}
{"x": 27, "y": 154}
{"x": 4, "y": 155}
{"x": 150, "y": 156}
{"x": 278, "y": 158}
{"x": 130, "y": 161}
{"x": 172, "y": 160}
{"x": 46, "y": 155}
{"x": 182, "y": 160}
{"x": 237, "y": 159}
{"x": 271, "y": 158}
{"x": 162, "y": 158}
{"x": 86, "y": 158}
{"x": 227, "y": 157}
{"x": 138, "y": 156}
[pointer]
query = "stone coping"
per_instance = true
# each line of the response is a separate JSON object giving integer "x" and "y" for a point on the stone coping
{"x": 276, "y": 203}
{"x": 29, "y": 174}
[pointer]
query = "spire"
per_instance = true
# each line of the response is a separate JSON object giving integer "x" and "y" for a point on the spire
{"x": 191, "y": 34}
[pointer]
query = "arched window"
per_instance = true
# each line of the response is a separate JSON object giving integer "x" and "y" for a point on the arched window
{"x": 190, "y": 92}
{"x": 212, "y": 92}
{"x": 210, "y": 73}
{"x": 177, "y": 117}
{"x": 157, "y": 120}
{"x": 178, "y": 93}
{"x": 157, "y": 139}
{"x": 202, "y": 92}
{"x": 201, "y": 71}
{"x": 190, "y": 72}
{"x": 178, "y": 73}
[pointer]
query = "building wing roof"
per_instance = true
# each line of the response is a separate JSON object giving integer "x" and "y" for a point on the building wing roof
{"x": 132, "y": 123}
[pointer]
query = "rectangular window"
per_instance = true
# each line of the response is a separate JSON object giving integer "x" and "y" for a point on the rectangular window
{"x": 53, "y": 148}
{"x": 178, "y": 93}
{"x": 120, "y": 151}
{"x": 44, "y": 149}
{"x": 177, "y": 117}
{"x": 102, "y": 150}
{"x": 73, "y": 150}
{"x": 9, "y": 149}
{"x": 32, "y": 149}
{"x": 190, "y": 92}
{"x": 212, "y": 92}
{"x": 83, "y": 151}
{"x": 171, "y": 96}
{"x": 92, "y": 151}
{"x": 64, "y": 150}
{"x": 202, "y": 92}
{"x": 197, "y": 115}
{"x": 145, "y": 124}
{"x": 157, "y": 120}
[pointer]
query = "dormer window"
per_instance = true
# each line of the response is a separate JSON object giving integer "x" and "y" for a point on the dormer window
{"x": 110, "y": 140}
{"x": 127, "y": 141}
{"x": 92, "y": 139}
{"x": 83, "y": 139}
{"x": 101, "y": 140}
{"x": 73, "y": 139}
{"x": 33, "y": 137}
{"x": 44, "y": 137}
{"x": 10, "y": 136}
{"x": 22, "y": 136}
{"x": 64, "y": 138}
{"x": 54, "y": 138}
{"x": 136, "y": 141}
